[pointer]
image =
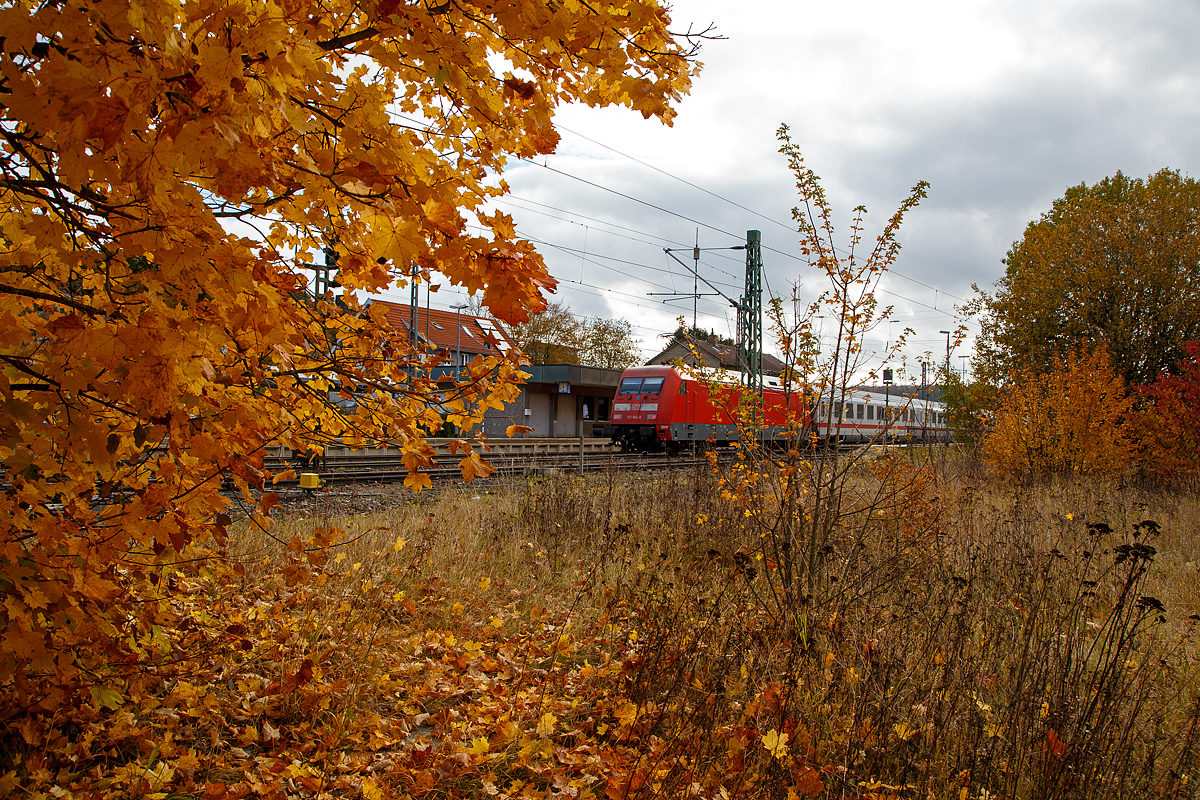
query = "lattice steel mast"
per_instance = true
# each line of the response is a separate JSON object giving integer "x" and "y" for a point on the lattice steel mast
{"x": 750, "y": 334}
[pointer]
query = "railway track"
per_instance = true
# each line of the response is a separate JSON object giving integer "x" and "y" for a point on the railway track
{"x": 391, "y": 468}
{"x": 565, "y": 459}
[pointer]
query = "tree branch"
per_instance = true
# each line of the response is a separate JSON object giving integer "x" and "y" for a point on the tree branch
{"x": 337, "y": 43}
{"x": 53, "y": 298}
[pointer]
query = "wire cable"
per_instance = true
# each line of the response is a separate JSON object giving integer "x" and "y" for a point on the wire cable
{"x": 698, "y": 222}
{"x": 736, "y": 204}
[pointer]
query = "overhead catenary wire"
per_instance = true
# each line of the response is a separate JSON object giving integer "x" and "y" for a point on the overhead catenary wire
{"x": 889, "y": 292}
{"x": 608, "y": 289}
{"x": 577, "y": 251}
{"x": 706, "y": 225}
{"x": 735, "y": 204}
{"x": 727, "y": 233}
{"x": 681, "y": 180}
{"x": 940, "y": 312}
{"x": 636, "y": 300}
{"x": 656, "y": 245}
{"x": 689, "y": 219}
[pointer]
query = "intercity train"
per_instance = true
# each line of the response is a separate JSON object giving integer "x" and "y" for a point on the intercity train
{"x": 656, "y": 408}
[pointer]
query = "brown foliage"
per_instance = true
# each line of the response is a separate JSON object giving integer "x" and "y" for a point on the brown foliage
{"x": 1114, "y": 264}
{"x": 608, "y": 638}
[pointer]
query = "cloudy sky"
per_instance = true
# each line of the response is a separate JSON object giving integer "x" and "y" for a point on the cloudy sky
{"x": 999, "y": 105}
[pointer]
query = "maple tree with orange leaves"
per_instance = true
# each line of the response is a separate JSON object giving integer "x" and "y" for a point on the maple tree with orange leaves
{"x": 167, "y": 167}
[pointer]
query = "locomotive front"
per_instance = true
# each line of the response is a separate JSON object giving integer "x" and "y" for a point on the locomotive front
{"x": 642, "y": 408}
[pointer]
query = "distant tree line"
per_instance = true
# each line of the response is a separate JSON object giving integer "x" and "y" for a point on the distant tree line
{"x": 1089, "y": 355}
{"x": 557, "y": 336}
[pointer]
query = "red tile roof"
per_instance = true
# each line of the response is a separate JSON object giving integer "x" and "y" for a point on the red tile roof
{"x": 438, "y": 328}
{"x": 718, "y": 355}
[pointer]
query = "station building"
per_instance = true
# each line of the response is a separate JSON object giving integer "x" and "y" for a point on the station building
{"x": 557, "y": 401}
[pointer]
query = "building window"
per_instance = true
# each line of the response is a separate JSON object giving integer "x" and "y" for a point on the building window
{"x": 589, "y": 405}
{"x": 602, "y": 408}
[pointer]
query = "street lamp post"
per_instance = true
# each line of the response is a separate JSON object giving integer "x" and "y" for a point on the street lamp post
{"x": 458, "y": 338}
{"x": 887, "y": 402}
{"x": 947, "y": 352}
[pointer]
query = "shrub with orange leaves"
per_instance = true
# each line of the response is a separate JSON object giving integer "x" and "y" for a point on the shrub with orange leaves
{"x": 1166, "y": 426}
{"x": 1074, "y": 419}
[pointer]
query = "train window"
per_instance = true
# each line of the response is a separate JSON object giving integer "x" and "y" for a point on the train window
{"x": 837, "y": 409}
{"x": 652, "y": 385}
{"x": 860, "y": 410}
{"x": 870, "y": 412}
{"x": 630, "y": 386}
{"x": 683, "y": 387}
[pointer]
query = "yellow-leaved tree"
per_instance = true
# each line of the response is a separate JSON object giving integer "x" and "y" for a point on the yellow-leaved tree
{"x": 168, "y": 168}
{"x": 1073, "y": 419}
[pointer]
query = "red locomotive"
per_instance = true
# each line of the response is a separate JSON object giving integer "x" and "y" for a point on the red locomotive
{"x": 658, "y": 409}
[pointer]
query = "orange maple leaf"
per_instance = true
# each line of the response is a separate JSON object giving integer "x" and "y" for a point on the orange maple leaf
{"x": 442, "y": 216}
{"x": 418, "y": 481}
{"x": 107, "y": 121}
{"x": 475, "y": 467}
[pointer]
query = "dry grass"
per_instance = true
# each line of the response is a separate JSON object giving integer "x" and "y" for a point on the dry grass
{"x": 1013, "y": 647}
